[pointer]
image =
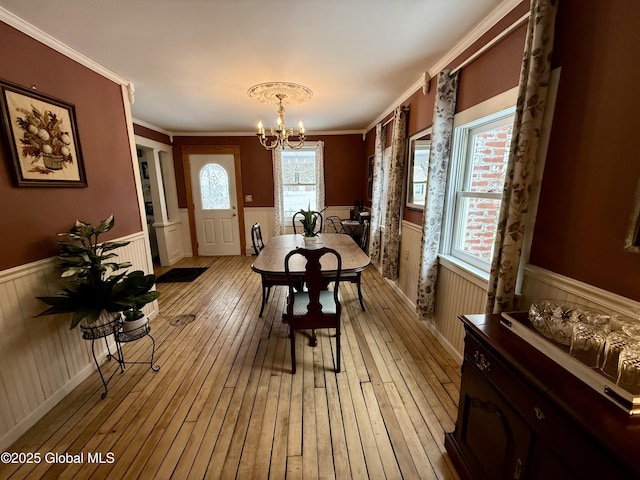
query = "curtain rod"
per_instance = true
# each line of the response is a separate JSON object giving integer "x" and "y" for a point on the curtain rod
{"x": 393, "y": 117}
{"x": 492, "y": 42}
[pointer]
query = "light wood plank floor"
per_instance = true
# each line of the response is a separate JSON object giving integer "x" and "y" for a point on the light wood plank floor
{"x": 225, "y": 405}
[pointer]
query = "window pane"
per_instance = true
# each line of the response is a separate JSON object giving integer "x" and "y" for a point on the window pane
{"x": 489, "y": 153}
{"x": 214, "y": 187}
{"x": 298, "y": 180}
{"x": 478, "y": 218}
{"x": 418, "y": 171}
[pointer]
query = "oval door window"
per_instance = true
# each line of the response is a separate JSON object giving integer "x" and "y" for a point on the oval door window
{"x": 214, "y": 187}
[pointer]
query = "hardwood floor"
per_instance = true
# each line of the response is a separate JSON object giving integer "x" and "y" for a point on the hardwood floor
{"x": 225, "y": 405}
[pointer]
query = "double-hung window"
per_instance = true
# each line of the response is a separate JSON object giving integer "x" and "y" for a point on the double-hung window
{"x": 481, "y": 150}
{"x": 299, "y": 182}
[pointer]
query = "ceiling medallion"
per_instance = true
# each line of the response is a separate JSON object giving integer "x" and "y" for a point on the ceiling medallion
{"x": 278, "y": 93}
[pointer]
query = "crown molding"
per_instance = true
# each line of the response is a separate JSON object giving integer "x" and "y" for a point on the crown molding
{"x": 483, "y": 27}
{"x": 253, "y": 133}
{"x": 150, "y": 126}
{"x": 43, "y": 37}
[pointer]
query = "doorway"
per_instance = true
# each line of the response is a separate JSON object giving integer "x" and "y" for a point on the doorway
{"x": 215, "y": 207}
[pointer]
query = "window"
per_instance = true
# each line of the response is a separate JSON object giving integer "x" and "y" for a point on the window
{"x": 419, "y": 149}
{"x": 299, "y": 183}
{"x": 214, "y": 185}
{"x": 481, "y": 150}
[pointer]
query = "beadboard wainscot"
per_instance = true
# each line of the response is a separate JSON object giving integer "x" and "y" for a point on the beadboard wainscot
{"x": 261, "y": 215}
{"x": 41, "y": 359}
{"x": 541, "y": 284}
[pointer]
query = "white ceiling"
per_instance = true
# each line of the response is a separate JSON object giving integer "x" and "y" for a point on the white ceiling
{"x": 192, "y": 61}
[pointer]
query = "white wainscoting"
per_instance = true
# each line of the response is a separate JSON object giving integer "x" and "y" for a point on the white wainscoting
{"x": 41, "y": 360}
{"x": 408, "y": 269}
{"x": 542, "y": 284}
{"x": 185, "y": 232}
{"x": 169, "y": 237}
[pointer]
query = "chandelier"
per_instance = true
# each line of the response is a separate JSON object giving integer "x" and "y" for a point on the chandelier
{"x": 278, "y": 92}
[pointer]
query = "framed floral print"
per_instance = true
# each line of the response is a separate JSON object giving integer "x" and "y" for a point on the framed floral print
{"x": 42, "y": 138}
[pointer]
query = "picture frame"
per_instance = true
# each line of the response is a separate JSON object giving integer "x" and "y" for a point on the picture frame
{"x": 41, "y": 138}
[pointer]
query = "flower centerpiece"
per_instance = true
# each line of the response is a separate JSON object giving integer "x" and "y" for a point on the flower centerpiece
{"x": 96, "y": 287}
{"x": 43, "y": 137}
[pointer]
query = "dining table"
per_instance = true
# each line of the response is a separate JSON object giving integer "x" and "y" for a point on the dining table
{"x": 270, "y": 261}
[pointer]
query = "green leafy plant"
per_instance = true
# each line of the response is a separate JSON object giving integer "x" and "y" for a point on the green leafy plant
{"x": 309, "y": 221}
{"x": 93, "y": 281}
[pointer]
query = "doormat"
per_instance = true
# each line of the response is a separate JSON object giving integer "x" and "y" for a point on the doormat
{"x": 181, "y": 275}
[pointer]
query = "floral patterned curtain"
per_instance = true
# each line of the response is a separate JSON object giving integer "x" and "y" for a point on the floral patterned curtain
{"x": 376, "y": 196}
{"x": 442, "y": 131}
{"x": 391, "y": 242}
{"x": 278, "y": 200}
{"x": 521, "y": 166}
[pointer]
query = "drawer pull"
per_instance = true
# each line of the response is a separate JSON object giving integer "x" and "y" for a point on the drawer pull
{"x": 539, "y": 413}
{"x": 481, "y": 362}
{"x": 518, "y": 471}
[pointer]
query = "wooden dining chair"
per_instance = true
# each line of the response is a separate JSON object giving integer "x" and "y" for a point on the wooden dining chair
{"x": 256, "y": 238}
{"x": 356, "y": 277}
{"x": 298, "y": 216}
{"x": 316, "y": 307}
{"x": 268, "y": 281}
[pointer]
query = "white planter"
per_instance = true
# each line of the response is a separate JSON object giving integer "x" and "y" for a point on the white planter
{"x": 311, "y": 242}
{"x": 130, "y": 325}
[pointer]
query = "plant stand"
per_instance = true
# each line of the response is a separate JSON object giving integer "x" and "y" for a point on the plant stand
{"x": 122, "y": 336}
{"x": 103, "y": 331}
{"x": 114, "y": 327}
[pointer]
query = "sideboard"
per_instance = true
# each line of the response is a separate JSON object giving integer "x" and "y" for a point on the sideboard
{"x": 523, "y": 416}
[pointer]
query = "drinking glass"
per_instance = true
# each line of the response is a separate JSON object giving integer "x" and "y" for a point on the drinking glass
{"x": 629, "y": 369}
{"x": 588, "y": 338}
{"x": 618, "y": 340}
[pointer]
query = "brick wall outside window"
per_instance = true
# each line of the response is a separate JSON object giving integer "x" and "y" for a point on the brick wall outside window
{"x": 490, "y": 152}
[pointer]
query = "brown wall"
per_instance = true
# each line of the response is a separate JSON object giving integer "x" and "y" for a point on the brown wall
{"x": 30, "y": 216}
{"x": 495, "y": 71}
{"x": 344, "y": 157}
{"x": 592, "y": 166}
{"x": 151, "y": 134}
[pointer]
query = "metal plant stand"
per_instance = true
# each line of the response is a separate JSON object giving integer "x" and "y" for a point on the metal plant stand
{"x": 123, "y": 336}
{"x": 114, "y": 327}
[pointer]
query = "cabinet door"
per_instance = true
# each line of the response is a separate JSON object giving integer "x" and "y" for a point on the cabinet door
{"x": 494, "y": 439}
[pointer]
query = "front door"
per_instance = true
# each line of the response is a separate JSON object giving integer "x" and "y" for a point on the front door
{"x": 213, "y": 185}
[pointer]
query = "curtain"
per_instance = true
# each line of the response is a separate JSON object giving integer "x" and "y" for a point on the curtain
{"x": 279, "y": 221}
{"x": 376, "y": 196}
{"x": 521, "y": 165}
{"x": 395, "y": 189}
{"x": 278, "y": 192}
{"x": 319, "y": 176}
{"x": 442, "y": 131}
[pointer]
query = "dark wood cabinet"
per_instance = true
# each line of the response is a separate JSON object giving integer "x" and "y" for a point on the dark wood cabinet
{"x": 522, "y": 416}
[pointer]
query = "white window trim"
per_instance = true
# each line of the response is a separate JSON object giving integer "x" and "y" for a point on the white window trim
{"x": 484, "y": 112}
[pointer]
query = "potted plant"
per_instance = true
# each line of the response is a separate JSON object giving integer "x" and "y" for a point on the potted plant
{"x": 309, "y": 222}
{"x": 96, "y": 289}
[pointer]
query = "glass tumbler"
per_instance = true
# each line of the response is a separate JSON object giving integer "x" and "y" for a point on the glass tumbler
{"x": 617, "y": 341}
{"x": 629, "y": 369}
{"x": 588, "y": 339}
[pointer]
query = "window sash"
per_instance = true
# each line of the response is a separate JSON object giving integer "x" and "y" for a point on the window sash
{"x": 463, "y": 217}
